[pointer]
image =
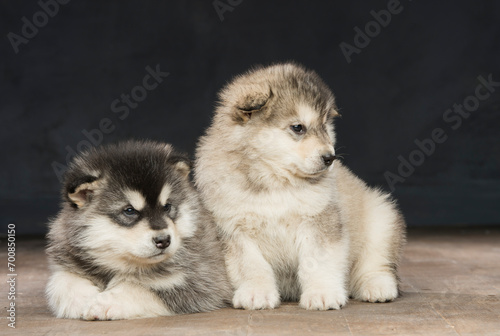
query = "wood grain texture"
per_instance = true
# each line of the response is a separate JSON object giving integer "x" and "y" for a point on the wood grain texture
{"x": 450, "y": 282}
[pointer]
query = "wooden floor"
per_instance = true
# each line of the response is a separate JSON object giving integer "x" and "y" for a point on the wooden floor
{"x": 451, "y": 285}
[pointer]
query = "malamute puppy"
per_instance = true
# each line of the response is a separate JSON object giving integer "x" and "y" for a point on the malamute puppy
{"x": 132, "y": 239}
{"x": 295, "y": 225}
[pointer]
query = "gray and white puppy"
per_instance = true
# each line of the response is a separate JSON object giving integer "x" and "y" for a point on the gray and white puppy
{"x": 295, "y": 225}
{"x": 132, "y": 239}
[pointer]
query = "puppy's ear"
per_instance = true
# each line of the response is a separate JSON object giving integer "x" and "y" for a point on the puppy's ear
{"x": 335, "y": 114}
{"x": 331, "y": 107}
{"x": 181, "y": 164}
{"x": 253, "y": 99}
{"x": 80, "y": 190}
{"x": 167, "y": 148}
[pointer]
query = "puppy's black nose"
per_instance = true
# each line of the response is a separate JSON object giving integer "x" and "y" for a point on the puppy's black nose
{"x": 162, "y": 242}
{"x": 328, "y": 159}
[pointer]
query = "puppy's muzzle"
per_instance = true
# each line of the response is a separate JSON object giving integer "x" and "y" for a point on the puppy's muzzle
{"x": 162, "y": 242}
{"x": 328, "y": 159}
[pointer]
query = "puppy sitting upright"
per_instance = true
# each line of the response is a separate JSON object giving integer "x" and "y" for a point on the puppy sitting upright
{"x": 294, "y": 225}
{"x": 132, "y": 239}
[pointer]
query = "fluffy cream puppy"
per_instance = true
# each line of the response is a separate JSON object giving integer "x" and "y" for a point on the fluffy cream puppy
{"x": 295, "y": 226}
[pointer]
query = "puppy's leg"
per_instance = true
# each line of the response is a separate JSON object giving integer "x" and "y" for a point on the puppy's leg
{"x": 70, "y": 295}
{"x": 251, "y": 275}
{"x": 126, "y": 300}
{"x": 373, "y": 275}
{"x": 323, "y": 267}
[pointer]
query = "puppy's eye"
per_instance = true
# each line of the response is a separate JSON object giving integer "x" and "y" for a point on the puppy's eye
{"x": 167, "y": 207}
{"x": 298, "y": 129}
{"x": 129, "y": 211}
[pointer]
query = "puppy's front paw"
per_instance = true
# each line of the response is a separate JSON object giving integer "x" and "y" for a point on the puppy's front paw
{"x": 325, "y": 299}
{"x": 70, "y": 296}
{"x": 378, "y": 287}
{"x": 105, "y": 307}
{"x": 256, "y": 297}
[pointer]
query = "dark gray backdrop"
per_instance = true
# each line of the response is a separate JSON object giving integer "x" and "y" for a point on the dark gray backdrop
{"x": 64, "y": 73}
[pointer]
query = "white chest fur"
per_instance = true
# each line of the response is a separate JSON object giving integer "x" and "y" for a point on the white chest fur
{"x": 273, "y": 205}
{"x": 272, "y": 218}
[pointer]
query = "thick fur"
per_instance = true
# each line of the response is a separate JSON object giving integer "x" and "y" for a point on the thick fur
{"x": 294, "y": 227}
{"x": 110, "y": 263}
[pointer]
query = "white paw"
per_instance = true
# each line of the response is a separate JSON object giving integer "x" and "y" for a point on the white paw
{"x": 105, "y": 307}
{"x": 325, "y": 299}
{"x": 74, "y": 307}
{"x": 379, "y": 287}
{"x": 70, "y": 296}
{"x": 256, "y": 297}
